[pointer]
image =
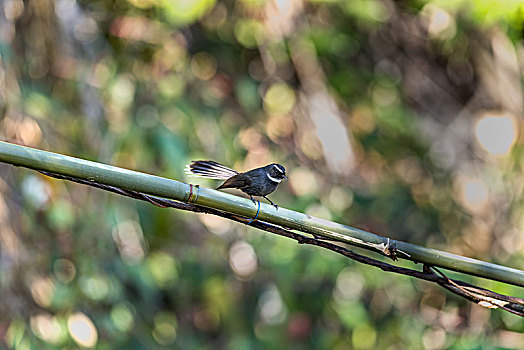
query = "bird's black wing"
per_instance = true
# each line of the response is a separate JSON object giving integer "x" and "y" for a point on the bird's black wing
{"x": 237, "y": 181}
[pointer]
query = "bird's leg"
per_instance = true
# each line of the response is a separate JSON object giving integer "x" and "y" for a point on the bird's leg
{"x": 270, "y": 201}
{"x": 253, "y": 199}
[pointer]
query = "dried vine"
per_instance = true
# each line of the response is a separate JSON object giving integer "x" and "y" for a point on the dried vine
{"x": 468, "y": 291}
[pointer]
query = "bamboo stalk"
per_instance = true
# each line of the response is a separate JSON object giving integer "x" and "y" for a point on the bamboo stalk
{"x": 154, "y": 185}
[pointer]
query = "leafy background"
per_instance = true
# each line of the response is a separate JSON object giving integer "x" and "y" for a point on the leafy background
{"x": 402, "y": 118}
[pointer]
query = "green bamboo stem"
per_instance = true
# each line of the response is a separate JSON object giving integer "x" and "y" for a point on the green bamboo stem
{"x": 162, "y": 187}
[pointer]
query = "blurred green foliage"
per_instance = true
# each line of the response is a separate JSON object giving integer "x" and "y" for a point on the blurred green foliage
{"x": 396, "y": 117}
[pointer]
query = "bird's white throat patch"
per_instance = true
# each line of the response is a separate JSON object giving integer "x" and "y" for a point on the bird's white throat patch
{"x": 273, "y": 179}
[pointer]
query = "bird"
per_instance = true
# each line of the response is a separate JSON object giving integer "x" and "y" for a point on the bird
{"x": 257, "y": 182}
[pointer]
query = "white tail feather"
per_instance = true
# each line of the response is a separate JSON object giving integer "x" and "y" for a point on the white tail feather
{"x": 209, "y": 169}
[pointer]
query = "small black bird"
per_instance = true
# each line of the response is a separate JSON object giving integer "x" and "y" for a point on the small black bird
{"x": 257, "y": 182}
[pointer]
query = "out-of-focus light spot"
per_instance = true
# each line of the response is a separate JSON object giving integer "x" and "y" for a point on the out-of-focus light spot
{"x": 123, "y": 91}
{"x": 434, "y": 338}
{"x": 203, "y": 65}
{"x": 95, "y": 287}
{"x": 101, "y": 74}
{"x": 303, "y": 182}
{"x": 362, "y": 121}
{"x": 216, "y": 18}
{"x": 128, "y": 238}
{"x": 364, "y": 336}
{"x": 384, "y": 95}
{"x": 138, "y": 28}
{"x": 216, "y": 224}
{"x": 15, "y": 334}
{"x": 13, "y": 9}
{"x": 478, "y": 235}
{"x": 247, "y": 94}
{"x": 370, "y": 10}
{"x": 496, "y": 134}
{"x": 279, "y": 126}
{"x": 512, "y": 242}
{"x": 65, "y": 9}
{"x": 249, "y": 33}
{"x": 450, "y": 319}
{"x": 172, "y": 58}
{"x": 257, "y": 69}
{"x": 440, "y": 24}
{"x": 254, "y": 4}
{"x": 221, "y": 87}
{"x": 147, "y": 116}
{"x": 279, "y": 17}
{"x": 67, "y": 67}
{"x": 473, "y": 193}
{"x": 171, "y": 86}
{"x": 319, "y": 211}
{"x": 65, "y": 270}
{"x": 272, "y": 308}
{"x": 186, "y": 11}
{"x": 163, "y": 269}
{"x": 143, "y": 4}
{"x": 206, "y": 319}
{"x": 82, "y": 330}
{"x": 219, "y": 294}
{"x": 339, "y": 199}
{"x": 61, "y": 215}
{"x": 299, "y": 326}
{"x": 47, "y": 328}
{"x": 164, "y": 331}
{"x": 207, "y": 131}
{"x": 251, "y": 140}
{"x": 348, "y": 287}
{"x": 35, "y": 191}
{"x": 42, "y": 290}
{"x": 430, "y": 307}
{"x": 122, "y": 317}
{"x": 86, "y": 29}
{"x": 279, "y": 98}
{"x": 38, "y": 105}
{"x": 409, "y": 170}
{"x": 311, "y": 145}
{"x": 242, "y": 259}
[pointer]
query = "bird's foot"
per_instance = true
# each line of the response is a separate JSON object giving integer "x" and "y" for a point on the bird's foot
{"x": 270, "y": 201}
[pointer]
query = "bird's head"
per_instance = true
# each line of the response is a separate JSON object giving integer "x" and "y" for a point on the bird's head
{"x": 276, "y": 172}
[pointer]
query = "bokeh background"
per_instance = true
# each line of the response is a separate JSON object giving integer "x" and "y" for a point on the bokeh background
{"x": 402, "y": 118}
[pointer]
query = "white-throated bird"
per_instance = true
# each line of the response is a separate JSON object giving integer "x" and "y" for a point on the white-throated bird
{"x": 257, "y": 182}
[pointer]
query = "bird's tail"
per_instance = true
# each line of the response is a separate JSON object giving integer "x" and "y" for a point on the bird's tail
{"x": 209, "y": 169}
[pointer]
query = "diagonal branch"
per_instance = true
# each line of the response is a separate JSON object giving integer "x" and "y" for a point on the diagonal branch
{"x": 283, "y": 222}
{"x": 468, "y": 291}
